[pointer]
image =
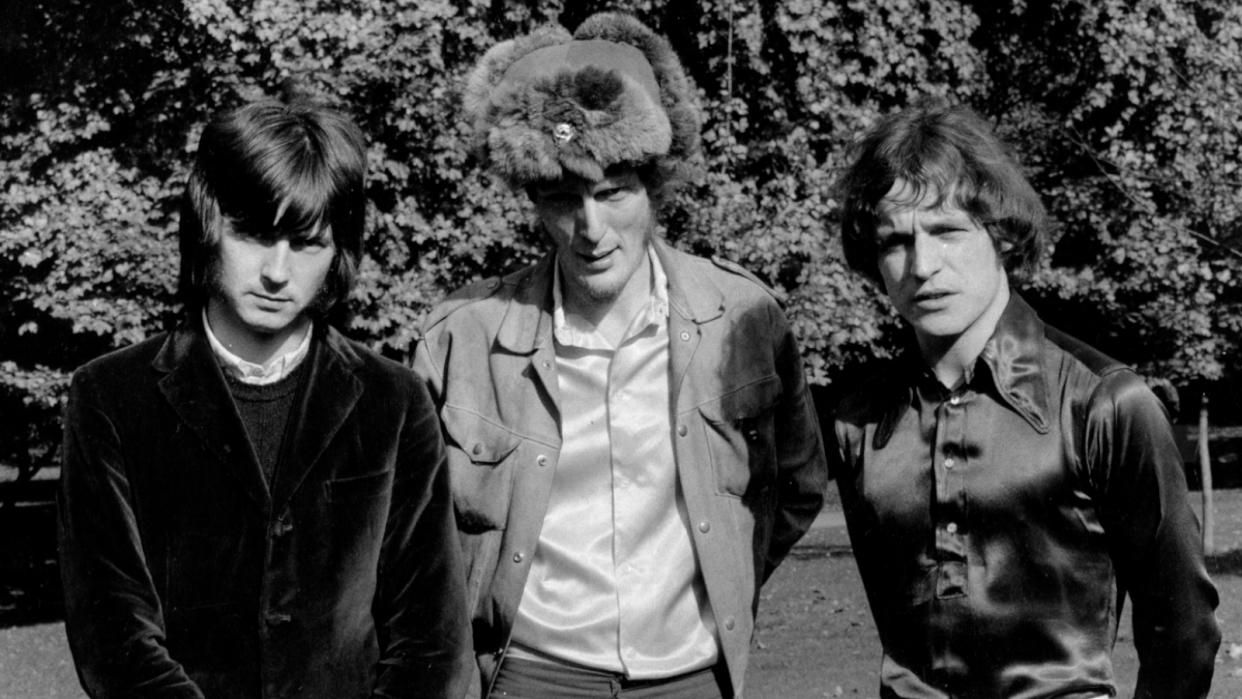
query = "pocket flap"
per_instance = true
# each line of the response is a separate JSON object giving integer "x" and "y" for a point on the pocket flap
{"x": 755, "y": 398}
{"x": 482, "y": 440}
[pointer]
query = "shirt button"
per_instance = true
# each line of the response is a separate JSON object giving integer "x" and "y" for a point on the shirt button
{"x": 542, "y": 460}
{"x": 948, "y": 463}
{"x": 955, "y": 400}
{"x": 547, "y": 364}
{"x": 517, "y": 557}
{"x": 681, "y": 430}
{"x": 952, "y": 528}
{"x": 705, "y": 526}
{"x": 685, "y": 336}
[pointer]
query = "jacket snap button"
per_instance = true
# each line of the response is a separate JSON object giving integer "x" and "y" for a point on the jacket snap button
{"x": 705, "y": 526}
{"x": 517, "y": 557}
{"x": 681, "y": 430}
{"x": 541, "y": 460}
{"x": 729, "y": 624}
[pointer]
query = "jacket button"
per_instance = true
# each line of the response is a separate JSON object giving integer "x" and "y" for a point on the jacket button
{"x": 476, "y": 449}
{"x": 282, "y": 527}
{"x": 685, "y": 336}
{"x": 681, "y": 430}
{"x": 952, "y": 528}
{"x": 948, "y": 463}
{"x": 729, "y": 624}
{"x": 278, "y": 618}
{"x": 542, "y": 460}
{"x": 517, "y": 557}
{"x": 705, "y": 526}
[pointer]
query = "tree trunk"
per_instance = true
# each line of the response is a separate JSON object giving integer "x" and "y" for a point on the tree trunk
{"x": 1205, "y": 479}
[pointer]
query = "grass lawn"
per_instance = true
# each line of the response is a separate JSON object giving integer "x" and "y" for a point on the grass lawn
{"x": 814, "y": 637}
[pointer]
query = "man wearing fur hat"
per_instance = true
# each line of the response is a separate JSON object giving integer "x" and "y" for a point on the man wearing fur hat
{"x": 631, "y": 442}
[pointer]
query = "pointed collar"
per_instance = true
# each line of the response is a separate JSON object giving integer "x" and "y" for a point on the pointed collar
{"x": 1014, "y": 358}
{"x": 528, "y": 320}
{"x": 654, "y": 311}
{"x": 1011, "y": 363}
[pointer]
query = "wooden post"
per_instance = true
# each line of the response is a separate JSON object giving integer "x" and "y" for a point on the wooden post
{"x": 1205, "y": 479}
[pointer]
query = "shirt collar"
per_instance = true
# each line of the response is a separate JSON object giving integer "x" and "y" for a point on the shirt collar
{"x": 258, "y": 374}
{"x": 1011, "y": 362}
{"x": 654, "y": 312}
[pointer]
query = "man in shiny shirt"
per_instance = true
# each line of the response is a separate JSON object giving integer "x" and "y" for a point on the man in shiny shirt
{"x": 1005, "y": 486}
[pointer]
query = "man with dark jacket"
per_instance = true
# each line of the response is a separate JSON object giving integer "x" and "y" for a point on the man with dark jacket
{"x": 253, "y": 505}
{"x": 1005, "y": 486}
{"x": 632, "y": 443}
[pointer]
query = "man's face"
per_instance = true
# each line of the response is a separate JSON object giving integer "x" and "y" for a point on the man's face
{"x": 940, "y": 268}
{"x": 262, "y": 288}
{"x": 601, "y": 231}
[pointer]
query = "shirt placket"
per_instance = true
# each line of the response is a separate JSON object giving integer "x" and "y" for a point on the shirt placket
{"x": 949, "y": 462}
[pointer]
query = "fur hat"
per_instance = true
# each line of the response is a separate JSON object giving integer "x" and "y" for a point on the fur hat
{"x": 550, "y": 103}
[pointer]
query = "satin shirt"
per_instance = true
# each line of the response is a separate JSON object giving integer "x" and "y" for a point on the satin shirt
{"x": 998, "y": 527}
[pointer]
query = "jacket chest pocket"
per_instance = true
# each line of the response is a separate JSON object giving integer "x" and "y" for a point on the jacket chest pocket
{"x": 741, "y": 434}
{"x": 480, "y": 459}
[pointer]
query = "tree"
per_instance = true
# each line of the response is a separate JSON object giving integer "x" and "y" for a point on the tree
{"x": 1128, "y": 125}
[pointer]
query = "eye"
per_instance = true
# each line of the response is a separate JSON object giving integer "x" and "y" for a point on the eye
{"x": 612, "y": 194}
{"x": 558, "y": 200}
{"x": 891, "y": 242}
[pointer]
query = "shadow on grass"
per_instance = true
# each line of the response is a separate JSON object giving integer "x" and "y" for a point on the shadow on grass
{"x": 1225, "y": 563}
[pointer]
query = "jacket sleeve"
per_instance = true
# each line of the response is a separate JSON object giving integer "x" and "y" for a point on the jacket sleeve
{"x": 114, "y": 619}
{"x": 802, "y": 470}
{"x": 1154, "y": 537}
{"x": 420, "y": 605}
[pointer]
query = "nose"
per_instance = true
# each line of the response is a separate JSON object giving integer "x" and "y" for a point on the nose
{"x": 925, "y": 257}
{"x": 275, "y": 268}
{"x": 589, "y": 223}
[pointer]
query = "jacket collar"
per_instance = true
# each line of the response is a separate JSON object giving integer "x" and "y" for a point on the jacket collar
{"x": 194, "y": 387}
{"x": 527, "y": 324}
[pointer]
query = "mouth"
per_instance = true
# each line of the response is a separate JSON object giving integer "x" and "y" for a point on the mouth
{"x": 270, "y": 300}
{"x": 932, "y": 298}
{"x": 592, "y": 258}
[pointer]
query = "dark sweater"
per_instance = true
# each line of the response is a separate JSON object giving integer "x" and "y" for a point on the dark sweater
{"x": 265, "y": 411}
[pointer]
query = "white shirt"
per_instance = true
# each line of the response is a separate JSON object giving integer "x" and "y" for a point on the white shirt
{"x": 258, "y": 374}
{"x": 614, "y": 584}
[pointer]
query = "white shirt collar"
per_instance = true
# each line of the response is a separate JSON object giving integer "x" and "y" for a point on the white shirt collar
{"x": 258, "y": 374}
{"x": 568, "y": 333}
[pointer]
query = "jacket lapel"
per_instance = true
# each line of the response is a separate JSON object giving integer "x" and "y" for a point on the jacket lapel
{"x": 693, "y": 300}
{"x": 526, "y": 330}
{"x": 332, "y": 391}
{"x": 195, "y": 389}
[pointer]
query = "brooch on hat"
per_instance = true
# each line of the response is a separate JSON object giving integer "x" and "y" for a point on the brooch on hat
{"x": 564, "y": 132}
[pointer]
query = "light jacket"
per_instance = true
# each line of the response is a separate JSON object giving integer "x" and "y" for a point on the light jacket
{"x": 999, "y": 527}
{"x": 187, "y": 574}
{"x": 748, "y": 452}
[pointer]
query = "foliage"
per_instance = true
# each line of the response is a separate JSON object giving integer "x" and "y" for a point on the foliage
{"x": 1129, "y": 124}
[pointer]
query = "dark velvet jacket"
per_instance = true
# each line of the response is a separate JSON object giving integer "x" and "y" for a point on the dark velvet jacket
{"x": 186, "y": 575}
{"x": 999, "y": 527}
